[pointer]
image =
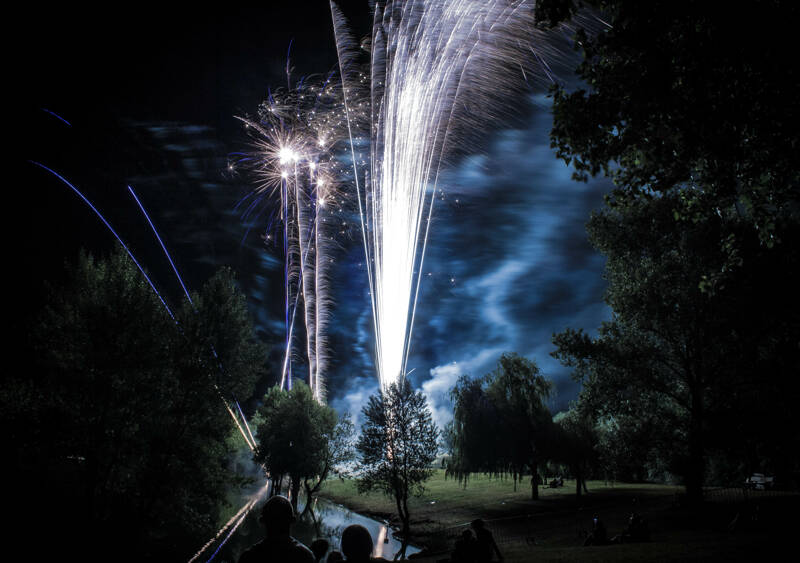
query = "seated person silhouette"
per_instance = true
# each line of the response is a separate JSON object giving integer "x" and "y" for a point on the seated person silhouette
{"x": 598, "y": 535}
{"x": 636, "y": 531}
{"x": 278, "y": 546}
{"x": 357, "y": 545}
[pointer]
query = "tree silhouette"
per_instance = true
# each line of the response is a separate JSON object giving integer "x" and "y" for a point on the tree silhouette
{"x": 500, "y": 422}
{"x": 397, "y": 445}
{"x": 301, "y": 438}
{"x": 120, "y": 410}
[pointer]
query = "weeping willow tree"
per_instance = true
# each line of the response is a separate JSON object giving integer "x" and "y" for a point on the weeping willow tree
{"x": 501, "y": 425}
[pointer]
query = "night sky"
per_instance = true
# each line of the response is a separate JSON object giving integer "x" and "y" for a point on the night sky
{"x": 151, "y": 99}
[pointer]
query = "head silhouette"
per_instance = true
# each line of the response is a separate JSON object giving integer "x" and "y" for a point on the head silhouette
{"x": 477, "y": 524}
{"x": 277, "y": 516}
{"x": 356, "y": 543}
{"x": 319, "y": 548}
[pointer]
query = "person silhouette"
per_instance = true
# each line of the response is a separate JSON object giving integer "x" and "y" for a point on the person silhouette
{"x": 485, "y": 546}
{"x": 319, "y": 548}
{"x": 464, "y": 551}
{"x": 598, "y": 536}
{"x": 357, "y": 545}
{"x": 278, "y": 546}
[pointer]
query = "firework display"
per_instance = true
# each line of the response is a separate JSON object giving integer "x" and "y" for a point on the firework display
{"x": 371, "y": 138}
{"x": 298, "y": 135}
{"x": 424, "y": 87}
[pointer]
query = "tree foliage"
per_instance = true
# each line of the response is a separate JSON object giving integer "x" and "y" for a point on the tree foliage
{"x": 693, "y": 120}
{"x": 119, "y": 414}
{"x": 683, "y": 93}
{"x": 676, "y": 353}
{"x": 501, "y": 424}
{"x": 301, "y": 438}
{"x": 574, "y": 442}
{"x": 397, "y": 445}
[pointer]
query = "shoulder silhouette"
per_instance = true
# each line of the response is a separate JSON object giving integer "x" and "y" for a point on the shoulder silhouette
{"x": 277, "y": 516}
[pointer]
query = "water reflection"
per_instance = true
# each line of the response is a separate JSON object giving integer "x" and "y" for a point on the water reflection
{"x": 327, "y": 520}
{"x": 331, "y": 519}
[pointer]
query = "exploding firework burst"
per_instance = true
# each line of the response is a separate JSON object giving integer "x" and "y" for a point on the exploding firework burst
{"x": 297, "y": 163}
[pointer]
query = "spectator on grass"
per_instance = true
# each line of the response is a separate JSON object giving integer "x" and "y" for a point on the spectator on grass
{"x": 636, "y": 530}
{"x": 464, "y": 551}
{"x": 485, "y": 546}
{"x": 598, "y": 535}
{"x": 278, "y": 546}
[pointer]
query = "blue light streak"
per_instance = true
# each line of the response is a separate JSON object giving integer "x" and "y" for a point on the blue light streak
{"x": 110, "y": 228}
{"x": 161, "y": 242}
{"x": 57, "y": 116}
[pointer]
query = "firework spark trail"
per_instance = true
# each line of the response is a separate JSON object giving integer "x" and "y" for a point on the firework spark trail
{"x": 306, "y": 274}
{"x": 322, "y": 302}
{"x": 278, "y": 145}
{"x": 441, "y": 73}
{"x": 110, "y": 228}
{"x": 290, "y": 329}
{"x": 244, "y": 419}
{"x": 251, "y": 445}
{"x": 61, "y": 119}
{"x": 346, "y": 57}
{"x": 428, "y": 47}
{"x": 286, "y": 277}
{"x": 230, "y": 526}
{"x": 296, "y": 140}
{"x": 163, "y": 247}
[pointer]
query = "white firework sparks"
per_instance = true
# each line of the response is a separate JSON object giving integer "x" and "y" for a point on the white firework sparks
{"x": 297, "y": 137}
{"x": 441, "y": 72}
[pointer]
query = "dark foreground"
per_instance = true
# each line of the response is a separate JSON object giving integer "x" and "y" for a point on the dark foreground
{"x": 732, "y": 525}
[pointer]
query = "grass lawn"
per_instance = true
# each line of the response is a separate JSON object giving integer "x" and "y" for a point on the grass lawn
{"x": 553, "y": 528}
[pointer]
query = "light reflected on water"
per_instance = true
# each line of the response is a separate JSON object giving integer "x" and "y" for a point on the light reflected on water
{"x": 379, "y": 543}
{"x": 327, "y": 521}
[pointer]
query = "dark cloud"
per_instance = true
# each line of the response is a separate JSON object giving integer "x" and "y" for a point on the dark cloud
{"x": 510, "y": 263}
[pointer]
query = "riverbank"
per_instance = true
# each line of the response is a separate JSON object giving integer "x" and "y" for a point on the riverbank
{"x": 554, "y": 527}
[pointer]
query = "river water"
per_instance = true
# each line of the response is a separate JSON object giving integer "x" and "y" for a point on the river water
{"x": 328, "y": 522}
